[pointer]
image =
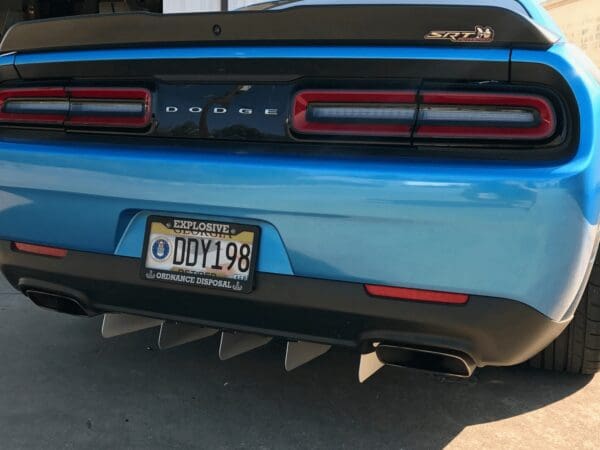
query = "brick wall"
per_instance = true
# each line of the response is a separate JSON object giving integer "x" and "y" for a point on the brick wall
{"x": 580, "y": 20}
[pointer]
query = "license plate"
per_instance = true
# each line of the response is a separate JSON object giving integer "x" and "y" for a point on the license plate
{"x": 200, "y": 253}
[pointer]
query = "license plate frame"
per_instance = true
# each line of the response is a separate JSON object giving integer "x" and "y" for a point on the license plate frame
{"x": 184, "y": 228}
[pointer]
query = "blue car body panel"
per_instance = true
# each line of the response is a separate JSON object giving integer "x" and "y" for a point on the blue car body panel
{"x": 522, "y": 231}
{"x": 280, "y": 52}
{"x": 7, "y": 59}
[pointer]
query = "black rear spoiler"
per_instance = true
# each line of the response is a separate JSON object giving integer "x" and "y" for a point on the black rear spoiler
{"x": 440, "y": 25}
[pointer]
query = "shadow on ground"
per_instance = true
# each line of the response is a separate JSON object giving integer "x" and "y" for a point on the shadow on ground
{"x": 62, "y": 385}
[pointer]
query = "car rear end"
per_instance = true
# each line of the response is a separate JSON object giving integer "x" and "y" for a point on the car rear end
{"x": 417, "y": 182}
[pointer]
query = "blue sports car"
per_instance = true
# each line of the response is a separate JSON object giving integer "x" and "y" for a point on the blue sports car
{"x": 415, "y": 180}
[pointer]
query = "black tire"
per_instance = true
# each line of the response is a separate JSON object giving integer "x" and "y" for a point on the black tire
{"x": 577, "y": 349}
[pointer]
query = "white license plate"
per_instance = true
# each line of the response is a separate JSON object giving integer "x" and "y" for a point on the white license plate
{"x": 202, "y": 253}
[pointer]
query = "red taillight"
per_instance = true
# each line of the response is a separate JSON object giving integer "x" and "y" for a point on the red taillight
{"x": 418, "y": 295}
{"x": 40, "y": 250}
{"x": 45, "y": 106}
{"x": 427, "y": 115}
{"x": 77, "y": 107}
{"x": 129, "y": 108}
{"x": 358, "y": 113}
{"x": 456, "y": 115}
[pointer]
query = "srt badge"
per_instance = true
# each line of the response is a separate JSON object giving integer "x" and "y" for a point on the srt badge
{"x": 481, "y": 35}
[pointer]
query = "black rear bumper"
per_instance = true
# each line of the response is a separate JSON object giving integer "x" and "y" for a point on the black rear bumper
{"x": 492, "y": 331}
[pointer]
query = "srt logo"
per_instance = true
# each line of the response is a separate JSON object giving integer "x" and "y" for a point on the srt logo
{"x": 223, "y": 110}
{"x": 481, "y": 34}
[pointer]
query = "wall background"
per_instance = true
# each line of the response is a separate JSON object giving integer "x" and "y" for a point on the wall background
{"x": 580, "y": 20}
{"x": 173, "y": 6}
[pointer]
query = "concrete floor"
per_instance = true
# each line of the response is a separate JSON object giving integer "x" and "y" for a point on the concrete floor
{"x": 63, "y": 386}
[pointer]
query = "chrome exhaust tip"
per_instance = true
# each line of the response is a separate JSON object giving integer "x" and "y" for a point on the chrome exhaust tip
{"x": 57, "y": 302}
{"x": 445, "y": 362}
{"x": 441, "y": 361}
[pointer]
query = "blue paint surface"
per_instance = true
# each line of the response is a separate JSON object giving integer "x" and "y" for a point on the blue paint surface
{"x": 7, "y": 59}
{"x": 320, "y": 52}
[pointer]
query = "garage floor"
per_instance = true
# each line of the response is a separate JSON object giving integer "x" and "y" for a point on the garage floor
{"x": 63, "y": 386}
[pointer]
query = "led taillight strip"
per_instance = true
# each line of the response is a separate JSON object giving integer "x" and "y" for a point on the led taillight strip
{"x": 428, "y": 115}
{"x": 86, "y": 110}
{"x": 364, "y": 113}
{"x": 32, "y": 97}
{"x": 483, "y": 115}
{"x": 77, "y": 107}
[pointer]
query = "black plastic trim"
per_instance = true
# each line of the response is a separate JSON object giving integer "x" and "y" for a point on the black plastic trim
{"x": 232, "y": 70}
{"x": 490, "y": 330}
{"x": 336, "y": 24}
{"x": 8, "y": 72}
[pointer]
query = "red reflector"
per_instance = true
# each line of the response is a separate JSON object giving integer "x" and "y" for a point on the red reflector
{"x": 418, "y": 295}
{"x": 354, "y": 113}
{"x": 40, "y": 250}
